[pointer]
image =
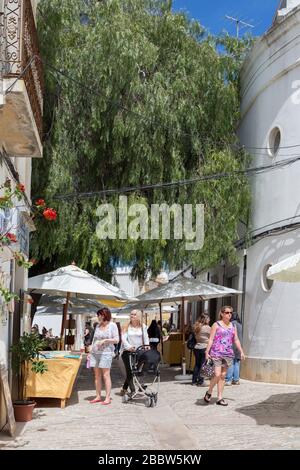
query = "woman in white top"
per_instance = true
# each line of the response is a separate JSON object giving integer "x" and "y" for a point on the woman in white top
{"x": 105, "y": 337}
{"x": 134, "y": 336}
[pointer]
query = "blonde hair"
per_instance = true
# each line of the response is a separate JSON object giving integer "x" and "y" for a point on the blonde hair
{"x": 223, "y": 310}
{"x": 139, "y": 320}
{"x": 203, "y": 320}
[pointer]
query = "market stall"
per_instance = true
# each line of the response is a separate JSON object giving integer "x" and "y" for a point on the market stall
{"x": 58, "y": 380}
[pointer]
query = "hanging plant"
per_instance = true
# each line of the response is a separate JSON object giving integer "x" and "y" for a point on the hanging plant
{"x": 7, "y": 295}
{"x": 8, "y": 238}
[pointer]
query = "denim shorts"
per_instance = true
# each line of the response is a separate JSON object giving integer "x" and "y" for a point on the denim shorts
{"x": 102, "y": 361}
{"x": 222, "y": 361}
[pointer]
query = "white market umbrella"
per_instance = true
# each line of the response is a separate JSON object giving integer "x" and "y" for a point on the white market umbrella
{"x": 287, "y": 270}
{"x": 189, "y": 289}
{"x": 75, "y": 303}
{"x": 75, "y": 282}
{"x": 72, "y": 310}
{"x": 148, "y": 309}
{"x": 71, "y": 281}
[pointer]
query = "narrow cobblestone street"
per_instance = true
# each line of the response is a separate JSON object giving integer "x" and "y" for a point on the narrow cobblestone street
{"x": 259, "y": 416}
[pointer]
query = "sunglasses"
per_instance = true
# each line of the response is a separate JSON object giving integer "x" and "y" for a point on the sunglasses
{"x": 228, "y": 313}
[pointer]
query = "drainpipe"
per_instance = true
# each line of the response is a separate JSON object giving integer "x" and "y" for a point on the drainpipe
{"x": 10, "y": 322}
{"x": 244, "y": 290}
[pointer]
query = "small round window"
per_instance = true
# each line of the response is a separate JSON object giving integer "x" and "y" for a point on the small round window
{"x": 274, "y": 141}
{"x": 266, "y": 283}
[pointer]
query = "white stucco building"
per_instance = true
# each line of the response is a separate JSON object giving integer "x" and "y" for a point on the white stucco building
{"x": 21, "y": 108}
{"x": 270, "y": 131}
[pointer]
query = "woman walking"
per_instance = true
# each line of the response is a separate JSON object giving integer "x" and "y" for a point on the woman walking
{"x": 102, "y": 352}
{"x": 202, "y": 334}
{"x": 134, "y": 336}
{"x": 220, "y": 349}
{"x": 233, "y": 373}
{"x": 154, "y": 334}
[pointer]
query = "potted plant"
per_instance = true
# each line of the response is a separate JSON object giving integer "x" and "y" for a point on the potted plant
{"x": 25, "y": 354}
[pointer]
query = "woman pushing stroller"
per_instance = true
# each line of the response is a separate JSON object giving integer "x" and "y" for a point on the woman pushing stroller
{"x": 134, "y": 336}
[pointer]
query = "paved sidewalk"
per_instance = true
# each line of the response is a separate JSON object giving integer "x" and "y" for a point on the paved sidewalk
{"x": 259, "y": 416}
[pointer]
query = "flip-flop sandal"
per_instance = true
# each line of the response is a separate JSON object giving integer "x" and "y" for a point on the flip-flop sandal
{"x": 221, "y": 402}
{"x": 96, "y": 400}
{"x": 106, "y": 402}
{"x": 207, "y": 397}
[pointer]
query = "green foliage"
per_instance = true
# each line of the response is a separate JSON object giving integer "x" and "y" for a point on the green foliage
{"x": 21, "y": 261}
{"x": 7, "y": 199}
{"x": 27, "y": 349}
{"x": 7, "y": 295}
{"x": 25, "y": 353}
{"x": 145, "y": 97}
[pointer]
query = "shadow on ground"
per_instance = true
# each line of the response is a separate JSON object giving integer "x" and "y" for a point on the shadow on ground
{"x": 282, "y": 410}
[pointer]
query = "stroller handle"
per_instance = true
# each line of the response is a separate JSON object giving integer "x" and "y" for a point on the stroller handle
{"x": 143, "y": 346}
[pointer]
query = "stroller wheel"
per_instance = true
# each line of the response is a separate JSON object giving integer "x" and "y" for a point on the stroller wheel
{"x": 125, "y": 398}
{"x": 151, "y": 402}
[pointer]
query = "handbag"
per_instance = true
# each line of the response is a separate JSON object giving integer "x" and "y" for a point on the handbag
{"x": 191, "y": 342}
{"x": 88, "y": 361}
{"x": 208, "y": 369}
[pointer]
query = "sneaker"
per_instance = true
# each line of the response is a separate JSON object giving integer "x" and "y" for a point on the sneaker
{"x": 235, "y": 382}
{"x": 229, "y": 383}
{"x": 123, "y": 392}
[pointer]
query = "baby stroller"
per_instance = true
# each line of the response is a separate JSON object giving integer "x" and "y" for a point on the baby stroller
{"x": 144, "y": 366}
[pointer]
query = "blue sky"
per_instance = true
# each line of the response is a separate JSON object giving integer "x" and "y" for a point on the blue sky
{"x": 211, "y": 13}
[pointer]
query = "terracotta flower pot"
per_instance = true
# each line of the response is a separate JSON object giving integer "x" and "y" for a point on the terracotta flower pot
{"x": 23, "y": 410}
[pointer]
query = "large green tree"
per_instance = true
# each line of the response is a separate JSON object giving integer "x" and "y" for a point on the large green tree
{"x": 136, "y": 94}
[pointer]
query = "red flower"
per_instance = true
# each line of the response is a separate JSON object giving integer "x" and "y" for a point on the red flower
{"x": 12, "y": 237}
{"x": 21, "y": 187}
{"x": 50, "y": 214}
{"x": 40, "y": 202}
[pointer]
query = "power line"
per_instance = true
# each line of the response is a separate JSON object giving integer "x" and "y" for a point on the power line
{"x": 9, "y": 89}
{"x": 139, "y": 115}
{"x": 268, "y": 148}
{"x": 172, "y": 184}
{"x": 136, "y": 114}
{"x": 146, "y": 118}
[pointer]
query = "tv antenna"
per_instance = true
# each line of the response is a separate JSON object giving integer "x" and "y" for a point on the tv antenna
{"x": 238, "y": 23}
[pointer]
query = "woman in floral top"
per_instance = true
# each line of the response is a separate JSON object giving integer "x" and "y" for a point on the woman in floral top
{"x": 106, "y": 336}
{"x": 220, "y": 349}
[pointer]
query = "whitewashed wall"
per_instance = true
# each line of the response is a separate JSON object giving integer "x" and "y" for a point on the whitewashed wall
{"x": 271, "y": 98}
